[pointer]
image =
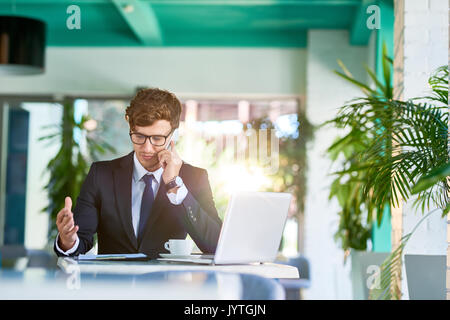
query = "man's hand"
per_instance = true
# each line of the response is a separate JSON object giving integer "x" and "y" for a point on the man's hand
{"x": 171, "y": 163}
{"x": 66, "y": 226}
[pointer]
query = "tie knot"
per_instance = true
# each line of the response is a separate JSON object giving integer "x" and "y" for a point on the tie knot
{"x": 148, "y": 179}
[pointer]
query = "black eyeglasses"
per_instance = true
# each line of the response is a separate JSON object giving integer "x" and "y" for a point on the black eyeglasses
{"x": 156, "y": 140}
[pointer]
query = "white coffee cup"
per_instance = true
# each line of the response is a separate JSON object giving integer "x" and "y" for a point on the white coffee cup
{"x": 179, "y": 246}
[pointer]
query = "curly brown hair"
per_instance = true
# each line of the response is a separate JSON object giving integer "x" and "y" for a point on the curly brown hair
{"x": 152, "y": 104}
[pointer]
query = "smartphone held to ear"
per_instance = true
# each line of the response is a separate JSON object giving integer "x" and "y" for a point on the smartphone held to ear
{"x": 174, "y": 138}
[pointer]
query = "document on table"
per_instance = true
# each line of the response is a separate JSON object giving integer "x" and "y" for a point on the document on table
{"x": 119, "y": 257}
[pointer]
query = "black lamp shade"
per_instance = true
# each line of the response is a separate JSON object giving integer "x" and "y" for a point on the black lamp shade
{"x": 22, "y": 46}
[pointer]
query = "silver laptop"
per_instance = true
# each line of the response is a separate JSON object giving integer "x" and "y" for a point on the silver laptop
{"x": 251, "y": 231}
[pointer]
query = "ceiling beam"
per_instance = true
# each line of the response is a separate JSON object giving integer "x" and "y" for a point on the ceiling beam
{"x": 198, "y": 2}
{"x": 237, "y": 38}
{"x": 359, "y": 32}
{"x": 142, "y": 20}
{"x": 258, "y": 2}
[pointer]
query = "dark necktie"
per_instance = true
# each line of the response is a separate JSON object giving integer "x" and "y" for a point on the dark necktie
{"x": 146, "y": 205}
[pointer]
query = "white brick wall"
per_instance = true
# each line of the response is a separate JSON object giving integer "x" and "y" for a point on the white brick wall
{"x": 425, "y": 42}
{"x": 427, "y": 6}
{"x": 438, "y": 6}
{"x": 418, "y": 5}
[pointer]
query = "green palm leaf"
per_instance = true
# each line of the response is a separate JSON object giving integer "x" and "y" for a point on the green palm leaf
{"x": 436, "y": 175}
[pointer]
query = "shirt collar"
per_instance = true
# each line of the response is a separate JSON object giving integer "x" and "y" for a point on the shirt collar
{"x": 139, "y": 171}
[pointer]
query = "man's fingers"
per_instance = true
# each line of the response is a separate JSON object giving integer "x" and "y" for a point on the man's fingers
{"x": 73, "y": 231}
{"x": 69, "y": 235}
{"x": 66, "y": 228}
{"x": 163, "y": 153}
{"x": 68, "y": 203}
{"x": 67, "y": 218}
{"x": 60, "y": 216}
{"x": 164, "y": 157}
{"x": 64, "y": 211}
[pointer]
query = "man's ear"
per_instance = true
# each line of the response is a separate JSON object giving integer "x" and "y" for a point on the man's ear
{"x": 127, "y": 119}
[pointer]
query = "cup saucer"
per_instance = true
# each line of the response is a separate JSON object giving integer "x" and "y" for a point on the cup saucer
{"x": 176, "y": 256}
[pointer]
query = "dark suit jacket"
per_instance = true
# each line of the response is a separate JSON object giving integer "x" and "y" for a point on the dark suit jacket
{"x": 104, "y": 207}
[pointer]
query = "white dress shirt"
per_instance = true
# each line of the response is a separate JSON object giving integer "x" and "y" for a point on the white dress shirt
{"x": 137, "y": 189}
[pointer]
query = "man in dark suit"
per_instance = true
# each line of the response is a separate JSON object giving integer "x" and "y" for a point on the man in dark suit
{"x": 137, "y": 202}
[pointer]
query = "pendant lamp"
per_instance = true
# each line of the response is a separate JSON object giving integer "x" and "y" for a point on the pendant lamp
{"x": 22, "y": 46}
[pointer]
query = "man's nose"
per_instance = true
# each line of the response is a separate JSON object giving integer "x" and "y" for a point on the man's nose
{"x": 148, "y": 147}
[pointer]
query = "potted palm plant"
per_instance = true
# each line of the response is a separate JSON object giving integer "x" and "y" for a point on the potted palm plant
{"x": 359, "y": 211}
{"x": 424, "y": 138}
{"x": 390, "y": 144}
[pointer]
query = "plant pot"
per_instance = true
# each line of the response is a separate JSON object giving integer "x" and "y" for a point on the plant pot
{"x": 364, "y": 267}
{"x": 425, "y": 276}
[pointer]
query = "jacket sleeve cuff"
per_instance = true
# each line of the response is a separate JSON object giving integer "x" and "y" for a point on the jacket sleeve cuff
{"x": 71, "y": 250}
{"x": 178, "y": 198}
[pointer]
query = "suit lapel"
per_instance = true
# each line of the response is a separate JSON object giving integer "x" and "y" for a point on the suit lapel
{"x": 123, "y": 175}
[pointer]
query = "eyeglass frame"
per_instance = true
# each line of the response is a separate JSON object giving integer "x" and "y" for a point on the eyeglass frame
{"x": 149, "y": 138}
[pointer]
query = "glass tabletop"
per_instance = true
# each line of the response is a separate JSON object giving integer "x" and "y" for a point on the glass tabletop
{"x": 49, "y": 284}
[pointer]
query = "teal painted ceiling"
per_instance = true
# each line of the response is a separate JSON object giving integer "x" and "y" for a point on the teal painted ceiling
{"x": 194, "y": 23}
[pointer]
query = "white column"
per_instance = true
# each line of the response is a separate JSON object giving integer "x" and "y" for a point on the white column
{"x": 244, "y": 111}
{"x": 325, "y": 93}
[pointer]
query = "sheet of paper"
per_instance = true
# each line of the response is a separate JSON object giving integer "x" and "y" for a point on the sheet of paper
{"x": 118, "y": 256}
